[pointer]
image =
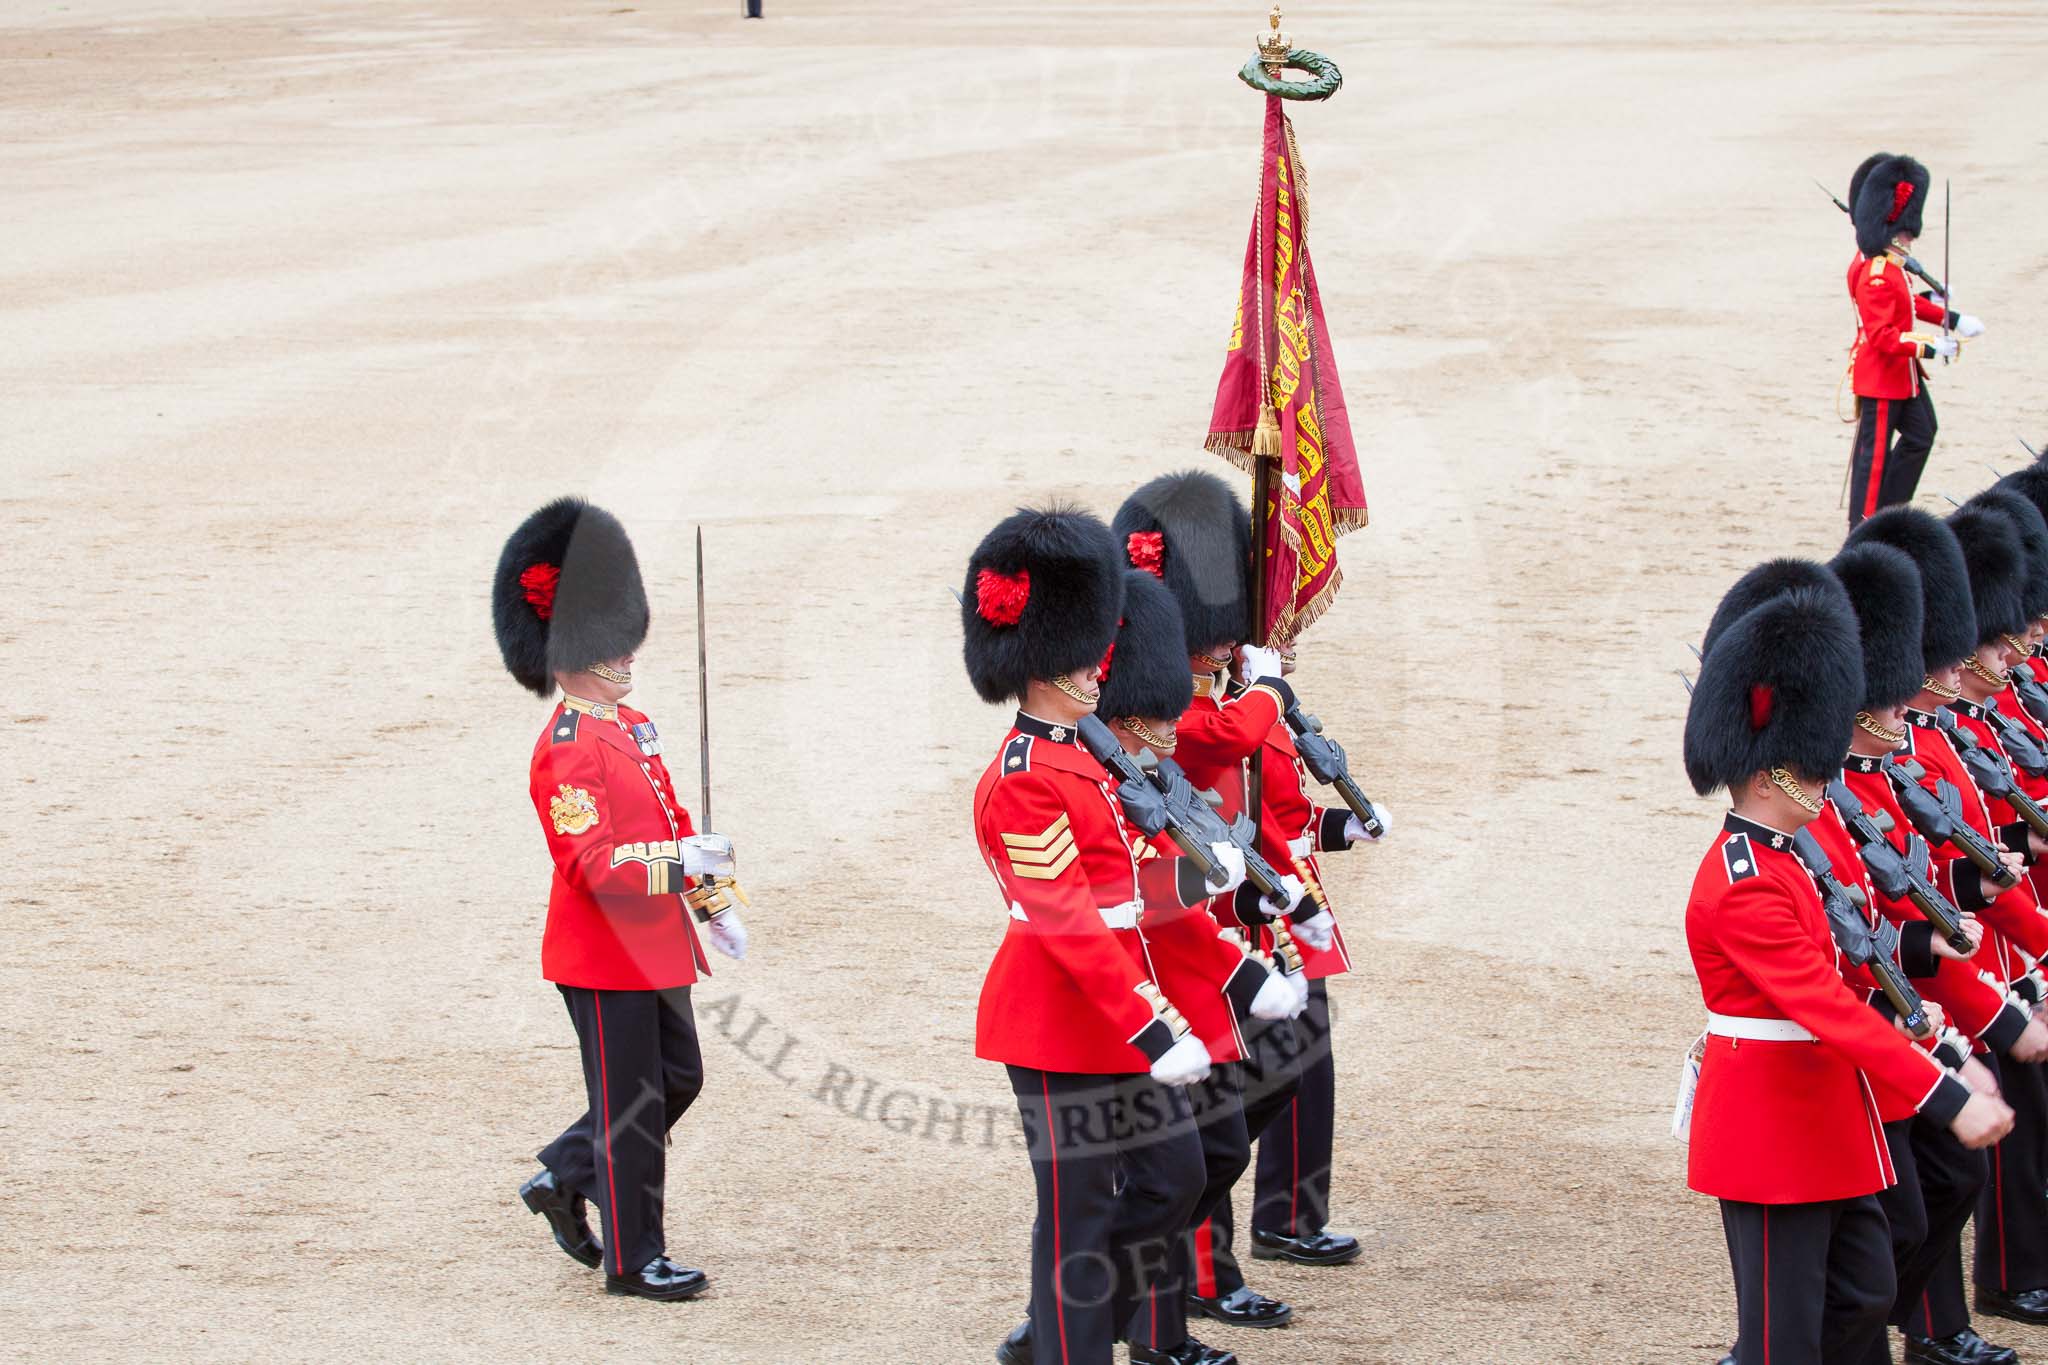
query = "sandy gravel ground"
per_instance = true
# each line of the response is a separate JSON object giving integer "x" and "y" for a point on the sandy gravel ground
{"x": 301, "y": 307}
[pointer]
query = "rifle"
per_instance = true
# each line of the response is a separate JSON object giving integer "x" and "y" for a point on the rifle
{"x": 1325, "y": 761}
{"x": 1158, "y": 798}
{"x": 1897, "y": 876}
{"x": 2033, "y": 694}
{"x": 1875, "y": 948}
{"x": 2020, "y": 746}
{"x": 1939, "y": 815}
{"x": 1911, "y": 264}
{"x": 1993, "y": 772}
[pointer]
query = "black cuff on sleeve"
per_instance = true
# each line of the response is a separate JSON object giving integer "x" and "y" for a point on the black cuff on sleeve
{"x": 1330, "y": 832}
{"x": 1250, "y": 906}
{"x": 1882, "y": 1003}
{"x": 2013, "y": 839}
{"x": 1916, "y": 949}
{"x": 1926, "y": 351}
{"x": 1154, "y": 1040}
{"x": 1189, "y": 884}
{"x": 1971, "y": 893}
{"x": 1243, "y": 986}
{"x": 1952, "y": 1051}
{"x": 1953, "y": 320}
{"x": 1947, "y": 1100}
{"x": 2005, "y": 1028}
{"x": 1280, "y": 686}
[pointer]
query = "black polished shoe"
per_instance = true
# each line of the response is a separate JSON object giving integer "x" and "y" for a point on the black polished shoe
{"x": 1189, "y": 1352}
{"x": 1242, "y": 1307}
{"x": 1016, "y": 1347}
{"x": 661, "y": 1279}
{"x": 1964, "y": 1348}
{"x": 1728, "y": 1359}
{"x": 1317, "y": 1248}
{"x": 2024, "y": 1305}
{"x": 564, "y": 1211}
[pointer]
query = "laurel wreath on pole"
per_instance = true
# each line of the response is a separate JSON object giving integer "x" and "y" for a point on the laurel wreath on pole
{"x": 1268, "y": 81}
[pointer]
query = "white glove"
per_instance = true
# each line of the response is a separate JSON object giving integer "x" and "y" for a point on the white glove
{"x": 727, "y": 934}
{"x": 1299, "y": 981}
{"x": 1290, "y": 886}
{"x": 1319, "y": 931}
{"x": 1354, "y": 828}
{"x": 706, "y": 855}
{"x": 1967, "y": 326}
{"x": 1945, "y": 347}
{"x": 1256, "y": 661}
{"x": 1186, "y": 1062}
{"x": 1230, "y": 865}
{"x": 1277, "y": 998}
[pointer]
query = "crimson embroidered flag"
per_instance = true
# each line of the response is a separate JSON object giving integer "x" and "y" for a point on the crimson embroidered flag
{"x": 1280, "y": 396}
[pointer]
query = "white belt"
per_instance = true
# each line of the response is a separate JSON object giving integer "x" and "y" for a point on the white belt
{"x": 1758, "y": 1030}
{"x": 1301, "y": 847}
{"x": 1123, "y": 916}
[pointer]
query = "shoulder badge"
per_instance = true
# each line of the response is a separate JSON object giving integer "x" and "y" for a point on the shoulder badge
{"x": 1877, "y": 267}
{"x": 1740, "y": 858}
{"x": 1017, "y": 755}
{"x": 572, "y": 810}
{"x": 565, "y": 726}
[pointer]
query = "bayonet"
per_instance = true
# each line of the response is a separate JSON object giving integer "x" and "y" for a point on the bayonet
{"x": 703, "y": 697}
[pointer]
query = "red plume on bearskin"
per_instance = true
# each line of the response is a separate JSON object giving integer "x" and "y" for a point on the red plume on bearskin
{"x": 1891, "y": 200}
{"x": 1779, "y": 688}
{"x": 1204, "y": 536}
{"x": 567, "y": 594}
{"x": 1041, "y": 599}
{"x": 1948, "y": 619}
{"x": 1147, "y": 550}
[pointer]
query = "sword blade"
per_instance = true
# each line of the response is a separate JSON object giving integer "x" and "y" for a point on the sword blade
{"x": 1947, "y": 275}
{"x": 703, "y": 699}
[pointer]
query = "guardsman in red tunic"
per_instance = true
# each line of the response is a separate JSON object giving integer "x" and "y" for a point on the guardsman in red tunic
{"x": 1190, "y": 531}
{"x": 1784, "y": 1130}
{"x": 630, "y": 870}
{"x": 1224, "y": 985}
{"x": 1894, "y": 415}
{"x": 1098, "y": 1056}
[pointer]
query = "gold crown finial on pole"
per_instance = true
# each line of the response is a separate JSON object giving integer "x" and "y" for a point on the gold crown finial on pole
{"x": 1273, "y": 45}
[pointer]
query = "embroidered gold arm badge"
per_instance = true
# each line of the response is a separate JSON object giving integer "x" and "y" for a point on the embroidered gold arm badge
{"x": 1044, "y": 855}
{"x": 572, "y": 810}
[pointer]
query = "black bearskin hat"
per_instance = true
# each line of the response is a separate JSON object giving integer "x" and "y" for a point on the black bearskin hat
{"x": 1760, "y": 585}
{"x": 1997, "y": 564}
{"x": 1189, "y": 530}
{"x": 1890, "y": 201}
{"x": 2033, "y": 528}
{"x": 567, "y": 594}
{"x": 1041, "y": 600}
{"x": 1780, "y": 688}
{"x": 1948, "y": 623}
{"x": 1884, "y": 589}
{"x": 1147, "y": 674}
{"x": 1861, "y": 174}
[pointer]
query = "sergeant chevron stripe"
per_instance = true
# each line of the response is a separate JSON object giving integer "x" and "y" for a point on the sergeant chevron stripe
{"x": 1044, "y": 855}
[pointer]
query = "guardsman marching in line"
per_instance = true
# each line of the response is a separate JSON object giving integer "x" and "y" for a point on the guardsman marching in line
{"x": 1895, "y": 422}
{"x": 1936, "y": 1318}
{"x": 1218, "y": 979}
{"x": 1190, "y": 531}
{"x": 1098, "y": 1058}
{"x": 1291, "y": 1200}
{"x": 1924, "y": 1215}
{"x": 570, "y": 611}
{"x": 1785, "y": 1134}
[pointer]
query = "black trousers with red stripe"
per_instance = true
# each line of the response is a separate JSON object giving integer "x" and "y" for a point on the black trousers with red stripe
{"x": 1893, "y": 437}
{"x": 1118, "y": 1164}
{"x": 1812, "y": 1281}
{"x": 1292, "y": 1194}
{"x": 1926, "y": 1210}
{"x": 641, "y": 1070}
{"x": 1949, "y": 1176}
{"x": 1270, "y": 1076}
{"x": 2012, "y": 1208}
{"x": 1161, "y": 1321}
